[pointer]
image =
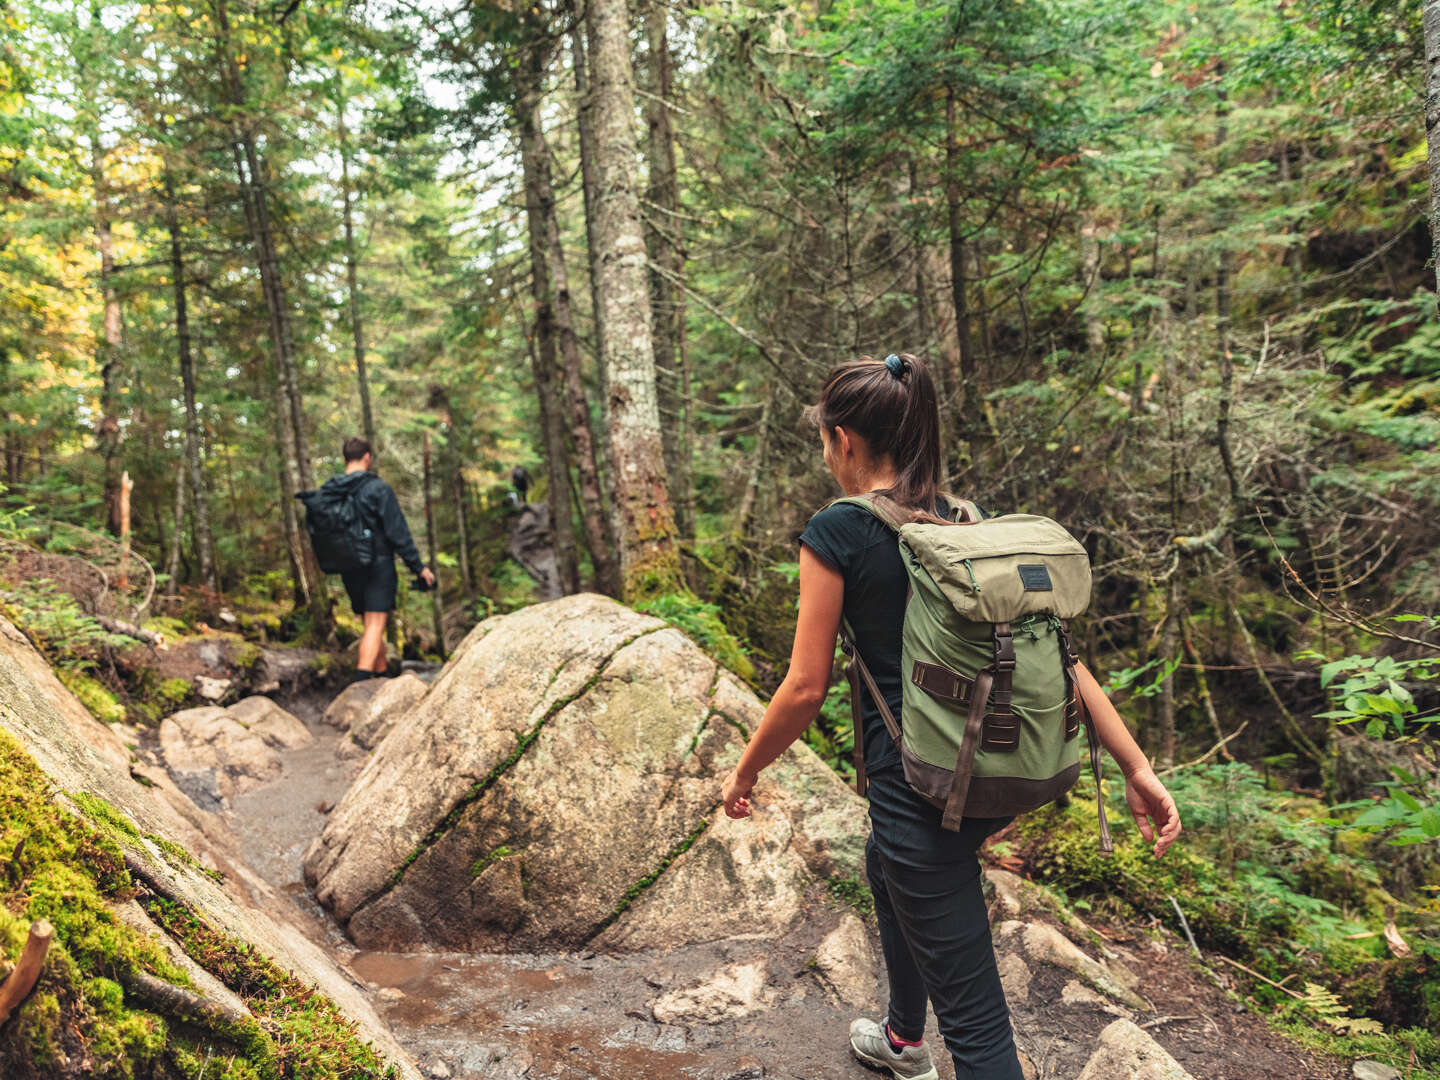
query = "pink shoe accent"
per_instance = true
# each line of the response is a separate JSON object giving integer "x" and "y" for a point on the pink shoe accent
{"x": 895, "y": 1040}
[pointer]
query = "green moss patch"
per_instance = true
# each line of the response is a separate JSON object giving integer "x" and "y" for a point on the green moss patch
{"x": 81, "y": 1020}
{"x": 103, "y": 705}
{"x": 312, "y": 1039}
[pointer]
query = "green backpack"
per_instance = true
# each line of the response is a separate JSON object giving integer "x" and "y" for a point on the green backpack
{"x": 990, "y": 702}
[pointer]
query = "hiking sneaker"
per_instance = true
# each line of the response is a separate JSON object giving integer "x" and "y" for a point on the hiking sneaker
{"x": 869, "y": 1043}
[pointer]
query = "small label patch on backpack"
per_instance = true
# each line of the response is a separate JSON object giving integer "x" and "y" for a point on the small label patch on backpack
{"x": 1035, "y": 577}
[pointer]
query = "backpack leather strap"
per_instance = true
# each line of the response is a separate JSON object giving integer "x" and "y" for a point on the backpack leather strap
{"x": 965, "y": 758}
{"x": 855, "y": 671}
{"x": 1069, "y": 658}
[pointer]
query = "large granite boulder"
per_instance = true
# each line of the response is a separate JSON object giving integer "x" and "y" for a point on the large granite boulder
{"x": 559, "y": 785}
{"x": 79, "y": 754}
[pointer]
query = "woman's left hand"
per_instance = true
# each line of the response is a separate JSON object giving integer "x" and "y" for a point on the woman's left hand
{"x": 735, "y": 794}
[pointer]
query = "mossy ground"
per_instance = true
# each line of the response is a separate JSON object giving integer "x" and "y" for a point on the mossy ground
{"x": 80, "y": 1020}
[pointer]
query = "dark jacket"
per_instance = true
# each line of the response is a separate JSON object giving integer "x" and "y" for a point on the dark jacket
{"x": 381, "y": 511}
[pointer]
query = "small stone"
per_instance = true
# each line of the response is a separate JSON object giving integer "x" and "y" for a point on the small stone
{"x": 212, "y": 689}
{"x": 1127, "y": 1051}
{"x": 1073, "y": 993}
{"x": 438, "y": 1071}
{"x": 1045, "y": 944}
{"x": 733, "y": 992}
{"x": 846, "y": 964}
{"x": 1015, "y": 978}
{"x": 391, "y": 993}
{"x": 1374, "y": 1070}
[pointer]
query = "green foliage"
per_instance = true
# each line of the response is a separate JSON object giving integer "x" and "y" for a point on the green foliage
{"x": 855, "y": 893}
{"x": 1259, "y": 879}
{"x": 702, "y": 622}
{"x": 1377, "y": 695}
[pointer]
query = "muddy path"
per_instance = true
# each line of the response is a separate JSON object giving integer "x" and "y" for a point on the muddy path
{"x": 543, "y": 1016}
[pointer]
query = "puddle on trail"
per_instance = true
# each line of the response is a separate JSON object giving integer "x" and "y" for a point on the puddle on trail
{"x": 542, "y": 1016}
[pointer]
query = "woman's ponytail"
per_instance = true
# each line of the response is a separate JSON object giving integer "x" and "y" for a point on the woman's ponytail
{"x": 892, "y": 405}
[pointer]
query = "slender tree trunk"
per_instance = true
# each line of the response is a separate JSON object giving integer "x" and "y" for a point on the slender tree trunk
{"x": 1168, "y": 637}
{"x": 539, "y": 212}
{"x": 664, "y": 244}
{"x": 589, "y": 183}
{"x": 750, "y": 500}
{"x": 968, "y": 387}
{"x": 177, "y": 536}
{"x": 437, "y": 603}
{"x": 1090, "y": 273}
{"x": 357, "y": 327}
{"x": 644, "y": 524}
{"x": 597, "y": 531}
{"x": 462, "y": 528}
{"x": 296, "y": 471}
{"x": 204, "y": 542}
{"x": 107, "y": 351}
{"x": 1430, "y": 17}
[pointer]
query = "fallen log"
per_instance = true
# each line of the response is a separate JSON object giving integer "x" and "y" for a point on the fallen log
{"x": 17, "y": 987}
{"x": 129, "y": 629}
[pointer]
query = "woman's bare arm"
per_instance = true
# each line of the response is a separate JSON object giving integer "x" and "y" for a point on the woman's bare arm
{"x": 797, "y": 702}
{"x": 1150, "y": 804}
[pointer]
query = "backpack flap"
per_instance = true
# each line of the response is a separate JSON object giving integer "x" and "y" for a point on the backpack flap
{"x": 1004, "y": 568}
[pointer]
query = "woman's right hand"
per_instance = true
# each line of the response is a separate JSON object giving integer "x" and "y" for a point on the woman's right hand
{"x": 1153, "y": 809}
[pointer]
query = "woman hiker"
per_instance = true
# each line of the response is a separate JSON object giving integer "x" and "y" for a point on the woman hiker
{"x": 879, "y": 426}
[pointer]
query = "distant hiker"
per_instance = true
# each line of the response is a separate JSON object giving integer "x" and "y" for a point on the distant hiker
{"x": 357, "y": 528}
{"x": 961, "y": 623}
{"x": 520, "y": 477}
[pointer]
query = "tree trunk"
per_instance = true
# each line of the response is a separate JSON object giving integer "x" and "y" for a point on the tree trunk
{"x": 968, "y": 388}
{"x": 204, "y": 542}
{"x": 437, "y": 604}
{"x": 644, "y": 524}
{"x": 664, "y": 244}
{"x": 1430, "y": 17}
{"x": 107, "y": 351}
{"x": 462, "y": 528}
{"x": 357, "y": 327}
{"x": 1168, "y": 636}
{"x": 539, "y": 213}
{"x": 296, "y": 471}
{"x": 589, "y": 184}
{"x": 177, "y": 536}
{"x": 750, "y": 500}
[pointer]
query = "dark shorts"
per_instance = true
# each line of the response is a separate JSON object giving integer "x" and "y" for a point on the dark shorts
{"x": 374, "y": 588}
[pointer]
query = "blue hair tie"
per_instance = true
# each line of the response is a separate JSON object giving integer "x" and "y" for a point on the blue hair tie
{"x": 895, "y": 366}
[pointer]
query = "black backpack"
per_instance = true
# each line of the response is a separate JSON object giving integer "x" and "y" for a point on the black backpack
{"x": 338, "y": 531}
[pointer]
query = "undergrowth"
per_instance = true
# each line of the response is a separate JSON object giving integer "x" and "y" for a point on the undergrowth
{"x": 1262, "y": 877}
{"x": 701, "y": 622}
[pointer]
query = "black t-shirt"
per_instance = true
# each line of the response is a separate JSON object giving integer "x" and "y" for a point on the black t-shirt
{"x": 864, "y": 550}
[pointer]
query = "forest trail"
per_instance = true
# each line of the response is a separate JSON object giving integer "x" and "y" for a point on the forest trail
{"x": 577, "y": 1015}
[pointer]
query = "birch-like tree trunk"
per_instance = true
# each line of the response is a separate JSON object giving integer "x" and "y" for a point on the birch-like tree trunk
{"x": 664, "y": 241}
{"x": 644, "y": 523}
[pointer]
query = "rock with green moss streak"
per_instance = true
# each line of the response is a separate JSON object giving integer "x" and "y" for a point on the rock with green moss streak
{"x": 78, "y": 771}
{"x": 591, "y": 741}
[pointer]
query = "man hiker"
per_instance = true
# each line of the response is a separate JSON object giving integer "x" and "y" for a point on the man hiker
{"x": 520, "y": 477}
{"x": 357, "y": 528}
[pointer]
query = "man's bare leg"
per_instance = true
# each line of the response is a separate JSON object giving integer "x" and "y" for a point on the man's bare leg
{"x": 372, "y": 643}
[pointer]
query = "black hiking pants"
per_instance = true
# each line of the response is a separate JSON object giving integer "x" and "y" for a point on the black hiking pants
{"x": 935, "y": 931}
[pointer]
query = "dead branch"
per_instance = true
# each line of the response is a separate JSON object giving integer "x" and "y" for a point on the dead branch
{"x": 17, "y": 987}
{"x": 180, "y": 1003}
